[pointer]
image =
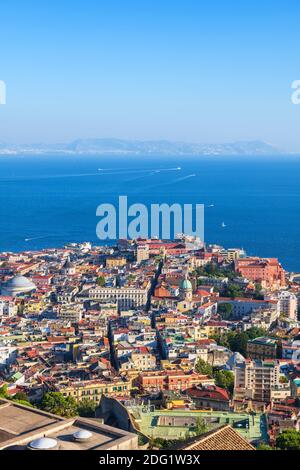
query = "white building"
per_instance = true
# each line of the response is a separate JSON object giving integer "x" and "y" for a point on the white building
{"x": 71, "y": 313}
{"x": 126, "y": 297}
{"x": 244, "y": 306}
{"x": 142, "y": 253}
{"x": 256, "y": 379}
{"x": 8, "y": 354}
{"x": 7, "y": 307}
{"x": 288, "y": 304}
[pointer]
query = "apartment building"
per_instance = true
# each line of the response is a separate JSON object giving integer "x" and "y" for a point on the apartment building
{"x": 115, "y": 261}
{"x": 262, "y": 348}
{"x": 255, "y": 380}
{"x": 172, "y": 380}
{"x": 72, "y": 313}
{"x": 93, "y": 389}
{"x": 232, "y": 254}
{"x": 288, "y": 304}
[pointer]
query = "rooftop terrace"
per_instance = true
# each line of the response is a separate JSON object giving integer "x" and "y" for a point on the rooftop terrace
{"x": 170, "y": 424}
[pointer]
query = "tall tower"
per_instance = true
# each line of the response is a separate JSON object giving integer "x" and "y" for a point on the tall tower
{"x": 186, "y": 289}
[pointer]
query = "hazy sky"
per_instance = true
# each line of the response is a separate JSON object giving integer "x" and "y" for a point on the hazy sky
{"x": 203, "y": 71}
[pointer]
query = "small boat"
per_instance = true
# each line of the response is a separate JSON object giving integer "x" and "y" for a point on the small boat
{"x": 223, "y": 225}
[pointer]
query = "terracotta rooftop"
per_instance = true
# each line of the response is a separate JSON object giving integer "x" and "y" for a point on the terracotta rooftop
{"x": 223, "y": 438}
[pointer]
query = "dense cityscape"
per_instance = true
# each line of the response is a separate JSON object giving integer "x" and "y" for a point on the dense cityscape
{"x": 161, "y": 344}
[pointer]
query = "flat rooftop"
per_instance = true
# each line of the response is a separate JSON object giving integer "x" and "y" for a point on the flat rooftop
{"x": 20, "y": 425}
{"x": 176, "y": 424}
{"x": 17, "y": 420}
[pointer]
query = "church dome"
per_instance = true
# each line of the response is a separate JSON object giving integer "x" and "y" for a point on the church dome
{"x": 68, "y": 267}
{"x": 18, "y": 285}
{"x": 20, "y": 282}
{"x": 68, "y": 264}
{"x": 186, "y": 284}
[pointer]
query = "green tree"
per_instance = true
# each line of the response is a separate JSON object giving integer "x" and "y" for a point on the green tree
{"x": 3, "y": 392}
{"x": 233, "y": 290}
{"x": 23, "y": 402}
{"x": 161, "y": 443}
{"x": 203, "y": 367}
{"x": 200, "y": 427}
{"x": 87, "y": 408}
{"x": 238, "y": 343}
{"x": 283, "y": 379}
{"x": 224, "y": 379}
{"x": 225, "y": 310}
{"x": 257, "y": 293}
{"x": 288, "y": 440}
{"x": 264, "y": 447}
{"x": 21, "y": 396}
{"x": 56, "y": 403}
{"x": 101, "y": 281}
{"x": 256, "y": 332}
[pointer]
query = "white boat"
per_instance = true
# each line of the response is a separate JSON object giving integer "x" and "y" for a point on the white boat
{"x": 223, "y": 225}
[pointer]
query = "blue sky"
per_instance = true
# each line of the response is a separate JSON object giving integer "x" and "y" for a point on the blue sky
{"x": 150, "y": 69}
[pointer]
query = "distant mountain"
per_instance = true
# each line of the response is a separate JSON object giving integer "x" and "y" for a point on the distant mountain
{"x": 140, "y": 148}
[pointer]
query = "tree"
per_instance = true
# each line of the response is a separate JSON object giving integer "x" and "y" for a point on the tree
{"x": 21, "y": 396}
{"x": 101, "y": 281}
{"x": 160, "y": 443}
{"x": 225, "y": 310}
{"x": 24, "y": 402}
{"x": 224, "y": 379}
{"x": 283, "y": 379}
{"x": 264, "y": 447}
{"x": 3, "y": 392}
{"x": 233, "y": 290}
{"x": 288, "y": 440}
{"x": 56, "y": 403}
{"x": 238, "y": 343}
{"x": 257, "y": 293}
{"x": 200, "y": 427}
{"x": 203, "y": 367}
{"x": 87, "y": 408}
{"x": 256, "y": 332}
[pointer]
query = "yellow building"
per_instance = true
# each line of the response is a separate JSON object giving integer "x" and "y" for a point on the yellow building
{"x": 185, "y": 305}
{"x": 212, "y": 330}
{"x": 93, "y": 389}
{"x": 33, "y": 306}
{"x": 114, "y": 262}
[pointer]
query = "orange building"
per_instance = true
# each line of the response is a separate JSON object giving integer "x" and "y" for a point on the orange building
{"x": 267, "y": 271}
{"x": 171, "y": 380}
